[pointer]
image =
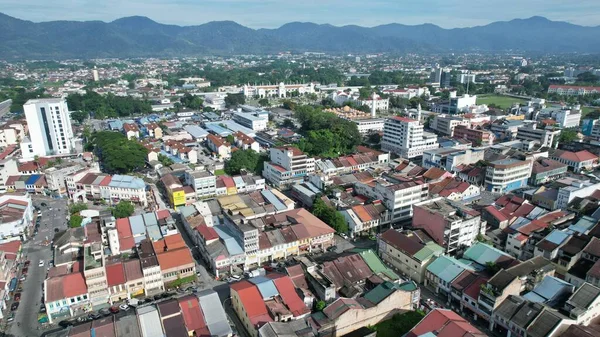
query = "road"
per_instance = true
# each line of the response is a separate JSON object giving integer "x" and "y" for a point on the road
{"x": 35, "y": 251}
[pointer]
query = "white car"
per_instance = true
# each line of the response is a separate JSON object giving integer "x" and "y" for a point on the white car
{"x": 41, "y": 264}
{"x": 124, "y": 307}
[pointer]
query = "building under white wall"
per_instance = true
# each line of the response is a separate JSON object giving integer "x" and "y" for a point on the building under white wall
{"x": 50, "y": 132}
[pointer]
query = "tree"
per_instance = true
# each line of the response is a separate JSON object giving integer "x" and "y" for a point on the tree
{"x": 166, "y": 161}
{"x": 568, "y": 136}
{"x": 328, "y": 102}
{"x": 123, "y": 209}
{"x": 320, "y": 305}
{"x": 374, "y": 138}
{"x": 75, "y": 221}
{"x": 192, "y": 102}
{"x": 288, "y": 123}
{"x": 264, "y": 102}
{"x": 117, "y": 153}
{"x": 230, "y": 139}
{"x": 233, "y": 100}
{"x": 587, "y": 77}
{"x": 330, "y": 216}
{"x": 248, "y": 160}
{"x": 79, "y": 116}
{"x": 77, "y": 207}
{"x": 289, "y": 104}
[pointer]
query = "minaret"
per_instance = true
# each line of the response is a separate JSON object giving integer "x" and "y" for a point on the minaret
{"x": 373, "y": 109}
{"x": 419, "y": 112}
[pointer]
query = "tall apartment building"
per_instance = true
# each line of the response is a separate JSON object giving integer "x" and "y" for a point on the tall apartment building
{"x": 477, "y": 137}
{"x": 568, "y": 118}
{"x": 505, "y": 175}
{"x": 445, "y": 124}
{"x": 451, "y": 224}
{"x": 406, "y": 137}
{"x": 50, "y": 131}
{"x": 287, "y": 165}
{"x": 545, "y": 137}
{"x": 397, "y": 198}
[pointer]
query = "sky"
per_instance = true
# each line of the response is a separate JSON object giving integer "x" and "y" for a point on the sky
{"x": 274, "y": 13}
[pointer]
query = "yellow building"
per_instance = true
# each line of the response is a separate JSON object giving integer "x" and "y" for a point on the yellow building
{"x": 177, "y": 197}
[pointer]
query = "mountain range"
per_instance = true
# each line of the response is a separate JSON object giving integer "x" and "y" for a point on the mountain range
{"x": 139, "y": 36}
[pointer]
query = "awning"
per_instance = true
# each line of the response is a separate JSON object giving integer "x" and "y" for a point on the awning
{"x": 13, "y": 284}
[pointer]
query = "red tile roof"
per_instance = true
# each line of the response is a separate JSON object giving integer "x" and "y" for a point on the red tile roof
{"x": 445, "y": 323}
{"x": 404, "y": 119}
{"x": 126, "y": 240}
{"x": 162, "y": 214}
{"x": 473, "y": 289}
{"x": 252, "y": 301}
{"x": 192, "y": 314}
{"x": 286, "y": 290}
{"x": 115, "y": 274}
{"x": 579, "y": 157}
{"x": 175, "y": 258}
{"x": 74, "y": 284}
{"x": 208, "y": 233}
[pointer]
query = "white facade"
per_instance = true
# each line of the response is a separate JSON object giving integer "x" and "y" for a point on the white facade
{"x": 445, "y": 124}
{"x": 406, "y": 137}
{"x": 50, "y": 132}
{"x": 397, "y": 198}
{"x": 204, "y": 183}
{"x": 254, "y": 121}
{"x": 366, "y": 126}
{"x": 281, "y": 90}
{"x": 466, "y": 78}
{"x": 11, "y": 134}
{"x": 568, "y": 119}
{"x": 545, "y": 137}
{"x": 8, "y": 167}
{"x": 578, "y": 188}
{"x": 287, "y": 165}
{"x": 15, "y": 225}
{"x": 380, "y": 103}
{"x": 506, "y": 175}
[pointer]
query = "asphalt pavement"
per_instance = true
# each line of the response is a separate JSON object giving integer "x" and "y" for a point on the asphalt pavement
{"x": 35, "y": 250}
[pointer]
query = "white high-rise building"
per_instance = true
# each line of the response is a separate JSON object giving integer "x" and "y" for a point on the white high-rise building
{"x": 50, "y": 131}
{"x": 406, "y": 137}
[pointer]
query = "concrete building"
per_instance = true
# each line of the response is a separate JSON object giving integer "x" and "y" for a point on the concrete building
{"x": 505, "y": 175}
{"x": 131, "y": 130}
{"x": 112, "y": 189}
{"x": 397, "y": 198}
{"x": 544, "y": 137}
{"x": 574, "y": 188}
{"x": 591, "y": 128}
{"x": 16, "y": 217}
{"x": 409, "y": 252}
{"x": 49, "y": 124}
{"x": 94, "y": 272}
{"x": 451, "y": 158}
{"x": 11, "y": 134}
{"x": 475, "y": 136}
{"x": 571, "y": 90}
{"x": 568, "y": 118}
{"x": 203, "y": 182}
{"x": 219, "y": 146}
{"x": 245, "y": 142}
{"x": 405, "y": 137}
{"x": 584, "y": 305}
{"x": 281, "y": 90}
{"x": 545, "y": 170}
{"x": 366, "y": 126}
{"x": 445, "y": 124}
{"x": 451, "y": 224}
{"x": 287, "y": 165}
{"x": 466, "y": 78}
{"x": 256, "y": 121}
{"x": 577, "y": 161}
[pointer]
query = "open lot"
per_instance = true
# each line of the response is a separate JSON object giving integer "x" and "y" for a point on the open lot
{"x": 504, "y": 102}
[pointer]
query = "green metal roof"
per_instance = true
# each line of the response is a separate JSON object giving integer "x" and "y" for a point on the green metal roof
{"x": 380, "y": 292}
{"x": 408, "y": 286}
{"x": 373, "y": 261}
{"x": 430, "y": 250}
{"x": 447, "y": 268}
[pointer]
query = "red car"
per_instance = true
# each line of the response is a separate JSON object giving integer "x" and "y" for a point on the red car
{"x": 24, "y": 271}
{"x": 26, "y": 264}
{"x": 17, "y": 297}
{"x": 114, "y": 309}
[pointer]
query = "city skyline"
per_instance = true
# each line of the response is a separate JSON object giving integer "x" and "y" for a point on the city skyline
{"x": 274, "y": 13}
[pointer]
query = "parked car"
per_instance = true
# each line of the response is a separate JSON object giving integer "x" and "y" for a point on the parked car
{"x": 14, "y": 306}
{"x": 65, "y": 323}
{"x": 26, "y": 264}
{"x": 17, "y": 297}
{"x": 11, "y": 317}
{"x": 42, "y": 308}
{"x": 104, "y": 312}
{"x": 114, "y": 309}
{"x": 43, "y": 204}
{"x": 124, "y": 307}
{"x": 22, "y": 278}
{"x": 41, "y": 264}
{"x": 24, "y": 271}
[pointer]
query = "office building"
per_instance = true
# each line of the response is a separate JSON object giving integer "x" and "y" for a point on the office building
{"x": 50, "y": 131}
{"x": 475, "y": 136}
{"x": 545, "y": 136}
{"x": 405, "y": 137}
{"x": 257, "y": 121}
{"x": 568, "y": 118}
{"x": 466, "y": 78}
{"x": 577, "y": 161}
{"x": 287, "y": 165}
{"x": 451, "y": 224}
{"x": 445, "y": 124}
{"x": 505, "y": 175}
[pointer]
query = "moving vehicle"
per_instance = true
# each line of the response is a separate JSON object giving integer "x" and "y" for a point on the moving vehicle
{"x": 14, "y": 306}
{"x": 41, "y": 264}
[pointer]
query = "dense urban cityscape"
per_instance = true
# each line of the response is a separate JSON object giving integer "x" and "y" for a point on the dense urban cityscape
{"x": 301, "y": 193}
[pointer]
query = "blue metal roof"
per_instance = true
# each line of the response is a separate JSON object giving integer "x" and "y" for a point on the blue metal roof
{"x": 557, "y": 236}
{"x": 136, "y": 223}
{"x": 150, "y": 219}
{"x": 123, "y": 181}
{"x": 583, "y": 225}
{"x": 219, "y": 130}
{"x": 232, "y": 245}
{"x": 33, "y": 179}
{"x": 265, "y": 285}
{"x": 196, "y": 131}
{"x": 548, "y": 289}
{"x": 273, "y": 200}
